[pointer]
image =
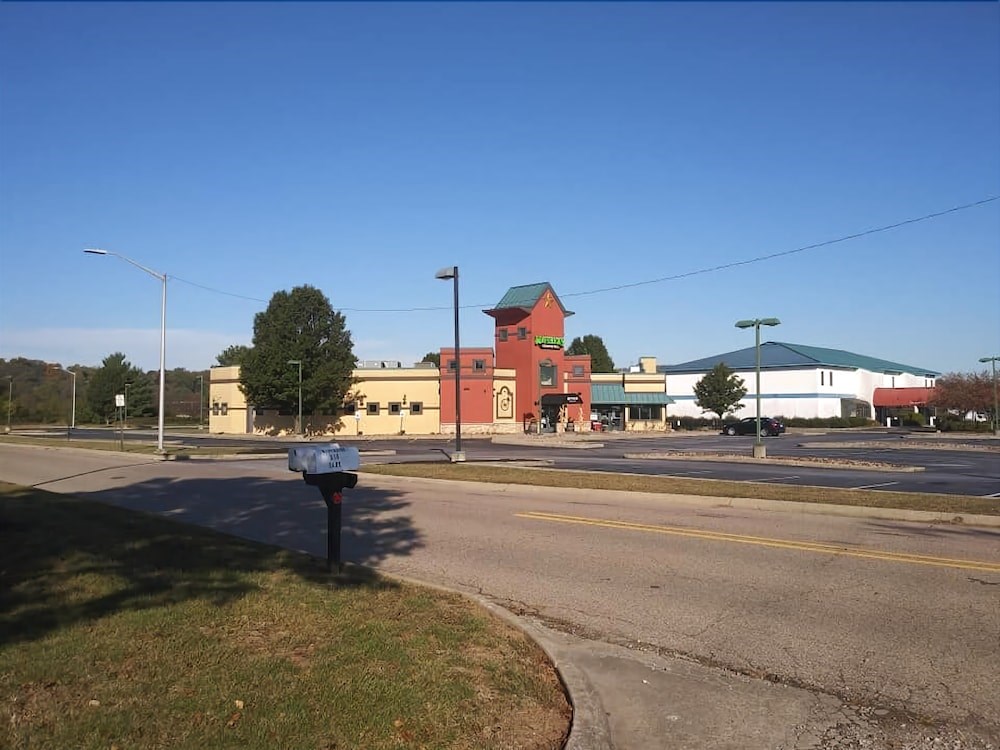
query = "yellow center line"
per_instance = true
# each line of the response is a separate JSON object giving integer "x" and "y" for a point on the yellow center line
{"x": 719, "y": 536}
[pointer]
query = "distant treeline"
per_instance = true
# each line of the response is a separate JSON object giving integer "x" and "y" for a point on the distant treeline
{"x": 42, "y": 392}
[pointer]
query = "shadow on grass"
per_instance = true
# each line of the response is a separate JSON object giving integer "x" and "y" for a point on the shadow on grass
{"x": 56, "y": 546}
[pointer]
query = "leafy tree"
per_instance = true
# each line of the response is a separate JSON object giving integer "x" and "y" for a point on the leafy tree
{"x": 720, "y": 390}
{"x": 434, "y": 357}
{"x": 299, "y": 325}
{"x": 964, "y": 392}
{"x": 232, "y": 355}
{"x": 109, "y": 380}
{"x": 600, "y": 360}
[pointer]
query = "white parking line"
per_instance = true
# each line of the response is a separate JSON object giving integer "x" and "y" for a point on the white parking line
{"x": 950, "y": 466}
{"x": 683, "y": 473}
{"x": 869, "y": 486}
{"x": 770, "y": 479}
{"x": 995, "y": 494}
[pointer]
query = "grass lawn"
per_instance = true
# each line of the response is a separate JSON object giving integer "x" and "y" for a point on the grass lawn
{"x": 142, "y": 445}
{"x": 542, "y": 477}
{"x": 125, "y": 630}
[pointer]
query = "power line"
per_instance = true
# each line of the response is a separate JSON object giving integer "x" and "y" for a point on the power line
{"x": 660, "y": 280}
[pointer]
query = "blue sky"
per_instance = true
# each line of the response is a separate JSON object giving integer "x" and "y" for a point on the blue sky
{"x": 359, "y": 147}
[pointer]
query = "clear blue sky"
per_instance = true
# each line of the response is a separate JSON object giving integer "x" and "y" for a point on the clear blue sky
{"x": 361, "y": 147}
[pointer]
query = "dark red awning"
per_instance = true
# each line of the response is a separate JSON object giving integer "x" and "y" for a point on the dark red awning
{"x": 902, "y": 396}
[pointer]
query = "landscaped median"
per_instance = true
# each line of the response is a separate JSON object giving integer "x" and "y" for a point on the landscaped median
{"x": 959, "y": 505}
{"x": 120, "y": 629}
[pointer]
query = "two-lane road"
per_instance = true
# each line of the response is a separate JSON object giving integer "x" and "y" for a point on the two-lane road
{"x": 888, "y": 614}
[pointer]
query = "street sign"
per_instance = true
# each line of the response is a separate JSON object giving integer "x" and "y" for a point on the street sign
{"x": 119, "y": 400}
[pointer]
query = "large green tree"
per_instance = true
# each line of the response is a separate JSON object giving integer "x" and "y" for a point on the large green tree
{"x": 720, "y": 391}
{"x": 109, "y": 380}
{"x": 600, "y": 360}
{"x": 232, "y": 355}
{"x": 433, "y": 357}
{"x": 299, "y": 325}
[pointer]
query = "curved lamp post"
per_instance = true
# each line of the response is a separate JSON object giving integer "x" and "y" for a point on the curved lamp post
{"x": 201, "y": 399}
{"x": 299, "y": 363}
{"x": 759, "y": 451}
{"x": 72, "y": 424}
{"x": 451, "y": 272}
{"x": 163, "y": 330}
{"x": 996, "y": 414}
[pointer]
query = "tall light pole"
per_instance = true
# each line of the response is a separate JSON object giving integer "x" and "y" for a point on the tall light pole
{"x": 125, "y": 415}
{"x": 163, "y": 331}
{"x": 201, "y": 399}
{"x": 299, "y": 363}
{"x": 759, "y": 451}
{"x": 996, "y": 414}
{"x": 10, "y": 398}
{"x": 72, "y": 424}
{"x": 451, "y": 272}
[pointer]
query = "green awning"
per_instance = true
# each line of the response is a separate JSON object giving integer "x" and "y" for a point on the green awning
{"x": 607, "y": 393}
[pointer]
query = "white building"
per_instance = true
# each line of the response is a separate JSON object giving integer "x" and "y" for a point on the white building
{"x": 805, "y": 381}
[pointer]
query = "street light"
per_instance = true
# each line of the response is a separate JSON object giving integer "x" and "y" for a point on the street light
{"x": 451, "y": 272}
{"x": 299, "y": 363}
{"x": 996, "y": 414}
{"x": 72, "y": 424}
{"x": 125, "y": 414}
{"x": 10, "y": 398}
{"x": 163, "y": 330}
{"x": 201, "y": 399}
{"x": 759, "y": 451}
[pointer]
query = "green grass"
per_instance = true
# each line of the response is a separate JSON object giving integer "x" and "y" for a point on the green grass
{"x": 120, "y": 629}
{"x": 473, "y": 472}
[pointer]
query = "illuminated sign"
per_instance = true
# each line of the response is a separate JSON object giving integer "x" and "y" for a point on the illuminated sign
{"x": 549, "y": 342}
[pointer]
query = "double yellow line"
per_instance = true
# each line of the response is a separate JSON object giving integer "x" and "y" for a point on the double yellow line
{"x": 718, "y": 536}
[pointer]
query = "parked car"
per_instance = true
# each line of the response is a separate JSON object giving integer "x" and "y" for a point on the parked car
{"x": 748, "y": 426}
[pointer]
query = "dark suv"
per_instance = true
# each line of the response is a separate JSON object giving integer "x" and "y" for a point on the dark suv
{"x": 748, "y": 426}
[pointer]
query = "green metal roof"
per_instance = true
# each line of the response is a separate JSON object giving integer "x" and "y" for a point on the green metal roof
{"x": 608, "y": 393}
{"x": 525, "y": 297}
{"x": 777, "y": 354}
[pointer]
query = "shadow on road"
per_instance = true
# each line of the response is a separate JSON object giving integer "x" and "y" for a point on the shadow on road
{"x": 58, "y": 543}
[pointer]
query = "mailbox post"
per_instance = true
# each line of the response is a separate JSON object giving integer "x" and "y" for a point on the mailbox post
{"x": 327, "y": 467}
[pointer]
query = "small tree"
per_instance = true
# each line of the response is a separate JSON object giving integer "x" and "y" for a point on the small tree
{"x": 109, "y": 380}
{"x": 600, "y": 360}
{"x": 720, "y": 391}
{"x": 433, "y": 357}
{"x": 964, "y": 392}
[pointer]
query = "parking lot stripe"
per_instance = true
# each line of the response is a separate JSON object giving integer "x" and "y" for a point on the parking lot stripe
{"x": 869, "y": 486}
{"x": 770, "y": 479}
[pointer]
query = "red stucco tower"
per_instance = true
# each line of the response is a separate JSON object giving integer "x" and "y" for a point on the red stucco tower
{"x": 529, "y": 339}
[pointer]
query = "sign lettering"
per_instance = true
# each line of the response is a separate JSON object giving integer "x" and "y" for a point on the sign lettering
{"x": 549, "y": 342}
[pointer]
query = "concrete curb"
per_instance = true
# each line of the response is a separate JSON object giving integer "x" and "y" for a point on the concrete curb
{"x": 588, "y": 728}
{"x": 743, "y": 459}
{"x": 710, "y": 501}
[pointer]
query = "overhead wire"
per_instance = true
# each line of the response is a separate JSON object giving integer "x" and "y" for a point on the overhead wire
{"x": 646, "y": 282}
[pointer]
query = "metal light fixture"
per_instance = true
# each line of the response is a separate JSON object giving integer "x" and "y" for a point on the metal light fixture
{"x": 201, "y": 400}
{"x": 72, "y": 424}
{"x": 299, "y": 363}
{"x": 451, "y": 272}
{"x": 163, "y": 331}
{"x": 996, "y": 414}
{"x": 759, "y": 451}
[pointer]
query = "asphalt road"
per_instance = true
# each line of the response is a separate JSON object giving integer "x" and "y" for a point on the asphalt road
{"x": 945, "y": 471}
{"x": 897, "y": 616}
